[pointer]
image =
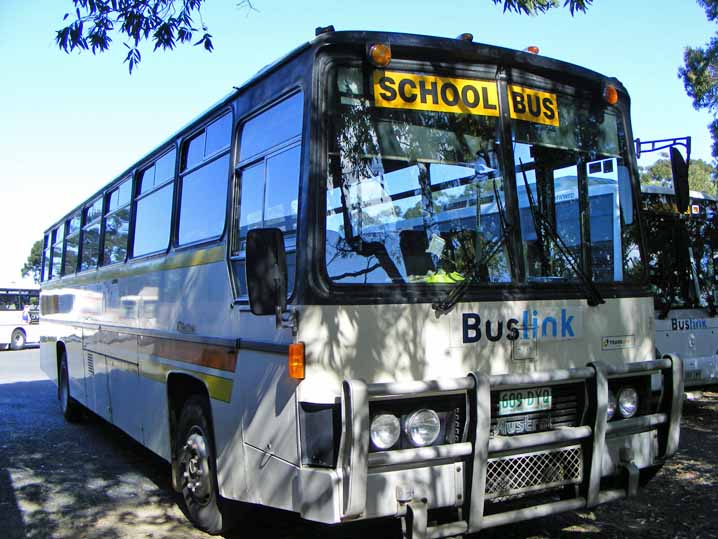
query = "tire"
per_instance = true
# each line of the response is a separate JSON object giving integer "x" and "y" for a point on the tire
{"x": 18, "y": 339}
{"x": 70, "y": 407}
{"x": 197, "y": 469}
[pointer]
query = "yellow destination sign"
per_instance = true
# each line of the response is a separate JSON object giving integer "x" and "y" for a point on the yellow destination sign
{"x": 533, "y": 105}
{"x": 441, "y": 94}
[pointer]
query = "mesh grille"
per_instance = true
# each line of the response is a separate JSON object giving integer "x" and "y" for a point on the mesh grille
{"x": 509, "y": 477}
{"x": 91, "y": 364}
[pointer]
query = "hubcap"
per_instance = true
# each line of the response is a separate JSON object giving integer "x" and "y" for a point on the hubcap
{"x": 18, "y": 339}
{"x": 195, "y": 466}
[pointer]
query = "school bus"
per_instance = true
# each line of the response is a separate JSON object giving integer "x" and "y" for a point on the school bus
{"x": 683, "y": 253}
{"x": 390, "y": 276}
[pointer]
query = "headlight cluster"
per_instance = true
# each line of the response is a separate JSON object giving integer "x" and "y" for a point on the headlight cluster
{"x": 626, "y": 403}
{"x": 421, "y": 427}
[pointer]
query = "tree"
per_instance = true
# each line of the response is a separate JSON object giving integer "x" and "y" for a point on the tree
{"x": 33, "y": 264}
{"x": 700, "y": 74}
{"x": 701, "y": 175}
{"x": 167, "y": 23}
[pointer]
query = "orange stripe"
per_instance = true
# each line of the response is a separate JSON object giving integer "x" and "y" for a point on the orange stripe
{"x": 223, "y": 358}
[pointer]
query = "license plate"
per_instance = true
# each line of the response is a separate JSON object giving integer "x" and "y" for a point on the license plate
{"x": 517, "y": 401}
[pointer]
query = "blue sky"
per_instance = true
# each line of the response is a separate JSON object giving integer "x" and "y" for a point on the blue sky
{"x": 73, "y": 122}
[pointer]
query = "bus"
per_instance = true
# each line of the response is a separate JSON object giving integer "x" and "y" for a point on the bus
{"x": 391, "y": 275}
{"x": 683, "y": 256}
{"x": 19, "y": 315}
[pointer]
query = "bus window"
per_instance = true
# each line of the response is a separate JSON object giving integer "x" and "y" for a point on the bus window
{"x": 117, "y": 223}
{"x": 153, "y": 210}
{"x": 46, "y": 258}
{"x": 92, "y": 217}
{"x": 268, "y": 185}
{"x": 57, "y": 236}
{"x": 204, "y": 190}
{"x": 72, "y": 244}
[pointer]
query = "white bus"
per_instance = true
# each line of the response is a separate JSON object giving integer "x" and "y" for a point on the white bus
{"x": 380, "y": 279}
{"x": 19, "y": 315}
{"x": 683, "y": 253}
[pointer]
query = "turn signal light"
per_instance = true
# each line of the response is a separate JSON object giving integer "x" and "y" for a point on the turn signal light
{"x": 380, "y": 54}
{"x": 610, "y": 94}
{"x": 296, "y": 361}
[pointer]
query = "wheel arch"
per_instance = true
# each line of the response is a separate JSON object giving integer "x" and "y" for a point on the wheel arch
{"x": 180, "y": 387}
{"x": 60, "y": 349}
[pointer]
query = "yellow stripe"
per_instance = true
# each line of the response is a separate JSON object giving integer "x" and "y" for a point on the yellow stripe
{"x": 138, "y": 267}
{"x": 219, "y": 388}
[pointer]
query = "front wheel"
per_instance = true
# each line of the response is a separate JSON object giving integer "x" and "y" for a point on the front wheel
{"x": 17, "y": 339}
{"x": 69, "y": 406}
{"x": 195, "y": 456}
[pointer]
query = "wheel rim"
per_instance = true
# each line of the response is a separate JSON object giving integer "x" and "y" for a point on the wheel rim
{"x": 194, "y": 462}
{"x": 18, "y": 339}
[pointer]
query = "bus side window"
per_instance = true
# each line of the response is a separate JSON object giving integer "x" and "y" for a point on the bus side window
{"x": 46, "y": 258}
{"x": 91, "y": 219}
{"x": 153, "y": 206}
{"x": 267, "y": 189}
{"x": 117, "y": 223}
{"x": 58, "y": 235}
{"x": 203, "y": 189}
{"x": 72, "y": 244}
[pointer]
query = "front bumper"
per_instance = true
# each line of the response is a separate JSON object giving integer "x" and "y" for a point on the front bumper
{"x": 408, "y": 482}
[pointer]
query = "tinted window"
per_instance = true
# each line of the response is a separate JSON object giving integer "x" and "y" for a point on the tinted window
{"x": 212, "y": 139}
{"x": 57, "y": 236}
{"x": 203, "y": 204}
{"x": 252, "y": 200}
{"x": 152, "y": 221}
{"x": 90, "y": 247}
{"x": 93, "y": 211}
{"x": 280, "y": 201}
{"x": 46, "y": 261}
{"x": 218, "y": 135}
{"x": 278, "y": 124}
{"x": 72, "y": 245}
{"x": 157, "y": 174}
{"x": 117, "y": 224}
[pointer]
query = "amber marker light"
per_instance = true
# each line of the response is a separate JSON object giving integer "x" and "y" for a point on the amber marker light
{"x": 296, "y": 361}
{"x": 380, "y": 54}
{"x": 610, "y": 94}
{"x": 533, "y": 49}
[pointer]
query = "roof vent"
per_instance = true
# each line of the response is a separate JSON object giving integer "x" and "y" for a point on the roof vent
{"x": 319, "y": 30}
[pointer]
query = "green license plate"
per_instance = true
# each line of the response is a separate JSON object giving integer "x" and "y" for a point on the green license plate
{"x": 517, "y": 401}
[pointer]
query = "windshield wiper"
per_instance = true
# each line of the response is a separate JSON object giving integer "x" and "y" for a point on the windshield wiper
{"x": 593, "y": 296}
{"x": 456, "y": 293}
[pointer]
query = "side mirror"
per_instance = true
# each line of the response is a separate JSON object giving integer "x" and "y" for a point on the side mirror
{"x": 266, "y": 269}
{"x": 679, "y": 168}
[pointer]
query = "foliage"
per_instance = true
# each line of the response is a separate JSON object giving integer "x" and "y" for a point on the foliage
{"x": 33, "y": 264}
{"x": 166, "y": 23}
{"x": 700, "y": 74}
{"x": 534, "y": 7}
{"x": 701, "y": 175}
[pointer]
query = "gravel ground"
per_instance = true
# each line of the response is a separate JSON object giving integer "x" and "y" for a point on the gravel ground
{"x": 89, "y": 480}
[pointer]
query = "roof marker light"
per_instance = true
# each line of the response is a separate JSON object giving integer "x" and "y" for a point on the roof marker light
{"x": 380, "y": 54}
{"x": 466, "y": 36}
{"x": 610, "y": 94}
{"x": 533, "y": 49}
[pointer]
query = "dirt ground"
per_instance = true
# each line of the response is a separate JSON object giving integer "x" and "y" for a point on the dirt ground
{"x": 91, "y": 481}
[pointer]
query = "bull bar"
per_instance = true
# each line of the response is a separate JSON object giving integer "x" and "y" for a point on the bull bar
{"x": 355, "y": 461}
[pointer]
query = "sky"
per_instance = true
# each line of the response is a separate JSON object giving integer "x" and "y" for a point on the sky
{"x": 71, "y": 123}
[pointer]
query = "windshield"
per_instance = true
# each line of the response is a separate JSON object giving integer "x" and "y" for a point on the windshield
{"x": 416, "y": 184}
{"x": 681, "y": 250}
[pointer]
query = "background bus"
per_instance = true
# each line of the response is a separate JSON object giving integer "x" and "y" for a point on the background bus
{"x": 391, "y": 276}
{"x": 19, "y": 315}
{"x": 683, "y": 252}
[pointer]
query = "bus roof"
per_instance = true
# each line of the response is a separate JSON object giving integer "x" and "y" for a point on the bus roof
{"x": 668, "y": 190}
{"x": 433, "y": 47}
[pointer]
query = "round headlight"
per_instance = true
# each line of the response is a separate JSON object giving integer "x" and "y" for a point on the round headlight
{"x": 627, "y": 402}
{"x": 385, "y": 430}
{"x": 422, "y": 427}
{"x": 611, "y": 410}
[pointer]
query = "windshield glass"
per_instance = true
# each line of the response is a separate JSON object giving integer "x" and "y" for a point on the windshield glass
{"x": 571, "y": 172}
{"x": 682, "y": 250}
{"x": 415, "y": 186}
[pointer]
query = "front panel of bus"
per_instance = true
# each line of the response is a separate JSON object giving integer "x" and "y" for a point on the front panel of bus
{"x": 470, "y": 217}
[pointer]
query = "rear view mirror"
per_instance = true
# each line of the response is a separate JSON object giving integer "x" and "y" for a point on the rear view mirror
{"x": 679, "y": 168}
{"x": 266, "y": 269}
